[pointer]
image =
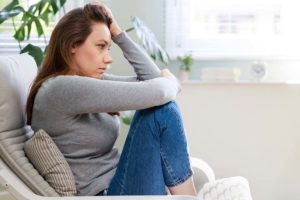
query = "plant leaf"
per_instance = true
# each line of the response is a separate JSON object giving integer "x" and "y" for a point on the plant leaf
{"x": 6, "y": 14}
{"x": 25, "y": 16}
{"x": 41, "y": 5}
{"x": 29, "y": 23}
{"x": 20, "y": 33}
{"x": 62, "y": 2}
{"x": 149, "y": 41}
{"x": 46, "y": 49}
{"x": 38, "y": 25}
{"x": 164, "y": 56}
{"x": 11, "y": 5}
{"x": 129, "y": 29}
{"x": 126, "y": 117}
{"x": 45, "y": 18}
{"x": 30, "y": 9}
{"x": 54, "y": 6}
{"x": 35, "y": 51}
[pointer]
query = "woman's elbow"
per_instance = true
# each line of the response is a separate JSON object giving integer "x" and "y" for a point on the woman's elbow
{"x": 166, "y": 95}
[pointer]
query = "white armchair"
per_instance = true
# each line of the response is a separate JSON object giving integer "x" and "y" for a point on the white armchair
{"x": 21, "y": 181}
{"x": 17, "y": 176}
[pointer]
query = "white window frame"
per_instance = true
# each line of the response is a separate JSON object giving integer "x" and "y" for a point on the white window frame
{"x": 235, "y": 48}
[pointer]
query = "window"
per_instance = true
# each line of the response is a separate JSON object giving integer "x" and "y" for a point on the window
{"x": 235, "y": 29}
{"x": 8, "y": 45}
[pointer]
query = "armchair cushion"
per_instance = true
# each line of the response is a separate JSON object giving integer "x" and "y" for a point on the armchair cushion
{"x": 50, "y": 163}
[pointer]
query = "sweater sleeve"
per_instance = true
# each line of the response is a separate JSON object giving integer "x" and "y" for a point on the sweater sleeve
{"x": 77, "y": 95}
{"x": 143, "y": 65}
{"x": 113, "y": 77}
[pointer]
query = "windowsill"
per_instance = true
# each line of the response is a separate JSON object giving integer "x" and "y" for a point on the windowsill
{"x": 233, "y": 56}
{"x": 196, "y": 82}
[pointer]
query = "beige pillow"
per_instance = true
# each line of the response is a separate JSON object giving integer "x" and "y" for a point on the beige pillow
{"x": 50, "y": 163}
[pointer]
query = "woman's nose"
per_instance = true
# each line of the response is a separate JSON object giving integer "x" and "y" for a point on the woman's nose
{"x": 107, "y": 58}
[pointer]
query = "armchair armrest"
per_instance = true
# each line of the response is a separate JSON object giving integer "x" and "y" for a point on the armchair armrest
{"x": 204, "y": 167}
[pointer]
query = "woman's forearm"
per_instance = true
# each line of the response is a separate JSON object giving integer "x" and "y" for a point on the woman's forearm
{"x": 143, "y": 65}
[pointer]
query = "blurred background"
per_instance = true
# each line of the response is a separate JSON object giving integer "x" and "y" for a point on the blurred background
{"x": 228, "y": 40}
{"x": 239, "y": 64}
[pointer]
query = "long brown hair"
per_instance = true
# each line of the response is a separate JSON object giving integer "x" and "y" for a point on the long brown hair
{"x": 72, "y": 30}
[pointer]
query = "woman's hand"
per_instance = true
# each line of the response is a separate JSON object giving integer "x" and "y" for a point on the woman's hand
{"x": 114, "y": 27}
{"x": 166, "y": 73}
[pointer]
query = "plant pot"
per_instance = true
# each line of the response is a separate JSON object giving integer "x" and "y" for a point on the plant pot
{"x": 183, "y": 75}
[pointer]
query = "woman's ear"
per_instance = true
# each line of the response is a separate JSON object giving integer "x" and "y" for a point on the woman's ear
{"x": 73, "y": 49}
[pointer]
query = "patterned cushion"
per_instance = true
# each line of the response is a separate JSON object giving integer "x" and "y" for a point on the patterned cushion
{"x": 50, "y": 163}
{"x": 235, "y": 188}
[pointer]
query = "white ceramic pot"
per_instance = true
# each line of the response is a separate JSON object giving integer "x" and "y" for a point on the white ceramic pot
{"x": 183, "y": 75}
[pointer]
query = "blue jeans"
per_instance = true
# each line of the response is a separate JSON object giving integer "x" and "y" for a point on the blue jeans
{"x": 155, "y": 153}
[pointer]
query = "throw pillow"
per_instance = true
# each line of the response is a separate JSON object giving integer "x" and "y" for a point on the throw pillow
{"x": 50, "y": 163}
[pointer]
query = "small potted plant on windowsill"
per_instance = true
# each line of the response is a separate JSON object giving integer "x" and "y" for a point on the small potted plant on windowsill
{"x": 185, "y": 67}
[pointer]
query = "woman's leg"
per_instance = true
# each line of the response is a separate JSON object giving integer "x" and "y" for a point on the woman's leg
{"x": 154, "y": 155}
{"x": 186, "y": 188}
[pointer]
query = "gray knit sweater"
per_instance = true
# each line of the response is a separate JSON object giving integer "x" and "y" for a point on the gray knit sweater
{"x": 73, "y": 110}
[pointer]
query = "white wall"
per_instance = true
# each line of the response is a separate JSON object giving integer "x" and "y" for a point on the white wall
{"x": 251, "y": 130}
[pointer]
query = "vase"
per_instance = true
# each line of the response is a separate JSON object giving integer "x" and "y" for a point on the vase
{"x": 183, "y": 75}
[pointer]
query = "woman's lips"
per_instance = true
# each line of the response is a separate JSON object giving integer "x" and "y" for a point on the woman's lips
{"x": 101, "y": 70}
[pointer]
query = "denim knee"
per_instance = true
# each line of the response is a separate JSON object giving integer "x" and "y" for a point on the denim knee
{"x": 165, "y": 113}
{"x": 157, "y": 116}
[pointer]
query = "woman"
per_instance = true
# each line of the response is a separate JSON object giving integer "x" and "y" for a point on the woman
{"x": 76, "y": 102}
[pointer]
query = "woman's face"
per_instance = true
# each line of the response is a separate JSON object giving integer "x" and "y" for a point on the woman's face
{"x": 92, "y": 57}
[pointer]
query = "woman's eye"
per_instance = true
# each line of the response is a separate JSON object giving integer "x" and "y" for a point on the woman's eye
{"x": 101, "y": 46}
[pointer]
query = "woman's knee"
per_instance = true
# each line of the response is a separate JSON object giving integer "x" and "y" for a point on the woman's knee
{"x": 159, "y": 115}
{"x": 168, "y": 110}
{"x": 161, "y": 110}
{"x": 168, "y": 106}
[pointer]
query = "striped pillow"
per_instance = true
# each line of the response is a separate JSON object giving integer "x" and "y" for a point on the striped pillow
{"x": 50, "y": 163}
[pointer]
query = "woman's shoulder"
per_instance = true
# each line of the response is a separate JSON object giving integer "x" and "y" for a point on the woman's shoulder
{"x": 60, "y": 79}
{"x": 62, "y": 85}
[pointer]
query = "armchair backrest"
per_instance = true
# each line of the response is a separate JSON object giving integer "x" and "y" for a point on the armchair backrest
{"x": 16, "y": 74}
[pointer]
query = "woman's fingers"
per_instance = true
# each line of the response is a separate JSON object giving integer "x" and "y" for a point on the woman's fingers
{"x": 114, "y": 27}
{"x": 103, "y": 6}
{"x": 166, "y": 72}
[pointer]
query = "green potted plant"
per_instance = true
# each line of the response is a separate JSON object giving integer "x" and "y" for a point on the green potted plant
{"x": 185, "y": 67}
{"x": 38, "y": 15}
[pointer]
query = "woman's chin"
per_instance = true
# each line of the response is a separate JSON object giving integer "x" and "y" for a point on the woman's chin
{"x": 97, "y": 76}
